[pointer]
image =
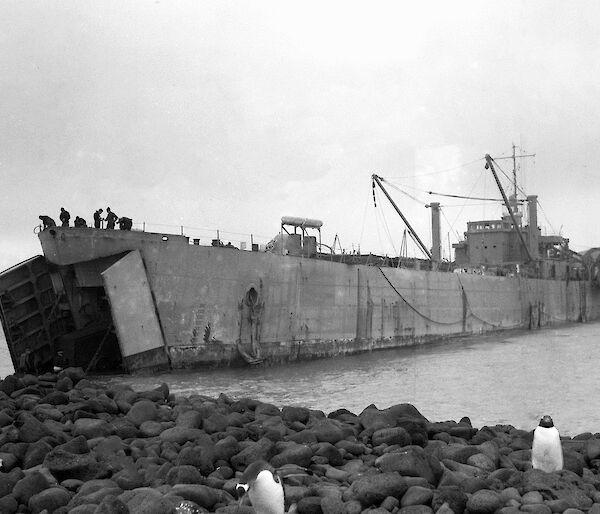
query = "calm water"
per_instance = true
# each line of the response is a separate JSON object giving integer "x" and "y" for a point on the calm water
{"x": 511, "y": 378}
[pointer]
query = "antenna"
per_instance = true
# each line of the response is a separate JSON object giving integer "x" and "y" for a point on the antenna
{"x": 514, "y": 158}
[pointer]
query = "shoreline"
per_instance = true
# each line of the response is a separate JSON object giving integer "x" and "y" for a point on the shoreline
{"x": 70, "y": 445}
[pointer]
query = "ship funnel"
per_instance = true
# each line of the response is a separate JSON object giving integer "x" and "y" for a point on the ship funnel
{"x": 436, "y": 240}
{"x": 532, "y": 231}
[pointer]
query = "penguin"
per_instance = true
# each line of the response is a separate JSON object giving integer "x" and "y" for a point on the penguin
{"x": 264, "y": 488}
{"x": 546, "y": 451}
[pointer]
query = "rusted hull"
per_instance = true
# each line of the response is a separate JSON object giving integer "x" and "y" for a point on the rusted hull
{"x": 223, "y": 307}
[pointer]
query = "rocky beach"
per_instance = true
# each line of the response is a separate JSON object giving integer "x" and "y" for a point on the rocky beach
{"x": 70, "y": 445}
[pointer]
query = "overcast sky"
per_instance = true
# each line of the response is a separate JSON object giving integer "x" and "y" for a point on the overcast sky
{"x": 229, "y": 115}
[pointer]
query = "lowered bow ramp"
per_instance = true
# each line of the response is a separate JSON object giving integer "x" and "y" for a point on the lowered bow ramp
{"x": 134, "y": 314}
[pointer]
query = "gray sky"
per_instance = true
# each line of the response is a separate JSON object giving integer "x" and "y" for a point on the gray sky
{"x": 229, "y": 115}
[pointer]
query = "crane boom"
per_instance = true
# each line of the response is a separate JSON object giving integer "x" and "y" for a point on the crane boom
{"x": 489, "y": 164}
{"x": 377, "y": 180}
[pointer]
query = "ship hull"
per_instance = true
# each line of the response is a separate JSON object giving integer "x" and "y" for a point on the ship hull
{"x": 216, "y": 306}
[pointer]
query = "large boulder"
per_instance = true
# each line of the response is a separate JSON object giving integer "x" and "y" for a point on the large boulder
{"x": 49, "y": 499}
{"x": 63, "y": 465}
{"x": 144, "y": 410}
{"x": 373, "y": 489}
{"x": 411, "y": 461}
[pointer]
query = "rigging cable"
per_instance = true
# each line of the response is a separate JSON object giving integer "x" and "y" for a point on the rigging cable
{"x": 446, "y": 170}
{"x": 424, "y": 316}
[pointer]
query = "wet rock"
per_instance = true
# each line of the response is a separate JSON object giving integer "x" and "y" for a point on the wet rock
{"x": 452, "y": 495}
{"x": 417, "y": 495}
{"x": 532, "y": 497}
{"x": 573, "y": 461}
{"x": 226, "y": 448}
{"x": 263, "y": 449}
{"x": 292, "y": 414}
{"x": 49, "y": 499}
{"x": 75, "y": 374}
{"x": 182, "y": 435}
{"x": 559, "y": 485}
{"x": 111, "y": 505}
{"x": 389, "y": 436}
{"x": 29, "y": 485}
{"x": 8, "y": 505}
{"x": 373, "y": 489}
{"x": 416, "y": 509}
{"x": 152, "y": 428}
{"x": 36, "y": 452}
{"x": 332, "y": 505}
{"x": 146, "y": 500}
{"x": 481, "y": 461}
{"x": 293, "y": 454}
{"x": 125, "y": 429}
{"x": 63, "y": 465}
{"x": 76, "y": 445}
{"x": 310, "y": 505}
{"x": 8, "y": 481}
{"x": 141, "y": 411}
{"x": 55, "y": 398}
{"x": 202, "y": 495}
{"x": 10, "y": 384}
{"x": 216, "y": 422}
{"x": 158, "y": 394}
{"x": 592, "y": 448}
{"x": 201, "y": 457}
{"x": 92, "y": 428}
{"x": 189, "y": 419}
{"x": 330, "y": 452}
{"x": 30, "y": 428}
{"x": 184, "y": 474}
{"x": 64, "y": 384}
{"x": 327, "y": 430}
{"x": 411, "y": 461}
{"x": 484, "y": 501}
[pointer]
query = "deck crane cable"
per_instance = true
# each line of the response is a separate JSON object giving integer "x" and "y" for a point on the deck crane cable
{"x": 449, "y": 225}
{"x": 385, "y": 226}
{"x": 412, "y": 198}
{"x": 470, "y": 192}
{"x": 446, "y": 170}
{"x": 402, "y": 191}
{"x": 520, "y": 189}
{"x": 467, "y": 197}
{"x": 546, "y": 217}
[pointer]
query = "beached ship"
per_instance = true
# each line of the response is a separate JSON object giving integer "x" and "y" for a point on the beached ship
{"x": 135, "y": 300}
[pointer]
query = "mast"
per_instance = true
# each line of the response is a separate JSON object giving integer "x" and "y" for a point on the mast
{"x": 377, "y": 179}
{"x": 489, "y": 165}
{"x": 514, "y": 158}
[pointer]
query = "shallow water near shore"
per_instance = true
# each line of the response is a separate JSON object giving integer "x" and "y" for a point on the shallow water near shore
{"x": 506, "y": 378}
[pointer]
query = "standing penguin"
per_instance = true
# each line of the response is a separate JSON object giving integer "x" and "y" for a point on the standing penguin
{"x": 264, "y": 488}
{"x": 546, "y": 451}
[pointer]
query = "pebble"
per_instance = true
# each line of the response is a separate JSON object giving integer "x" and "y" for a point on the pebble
{"x": 70, "y": 445}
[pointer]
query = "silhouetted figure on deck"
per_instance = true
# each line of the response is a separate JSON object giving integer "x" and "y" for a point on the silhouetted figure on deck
{"x": 47, "y": 221}
{"x": 64, "y": 216}
{"x": 25, "y": 361}
{"x": 125, "y": 223}
{"x": 111, "y": 219}
{"x": 79, "y": 222}
{"x": 98, "y": 218}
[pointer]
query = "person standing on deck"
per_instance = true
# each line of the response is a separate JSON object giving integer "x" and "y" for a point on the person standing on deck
{"x": 47, "y": 221}
{"x": 98, "y": 219}
{"x": 111, "y": 219}
{"x": 65, "y": 216}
